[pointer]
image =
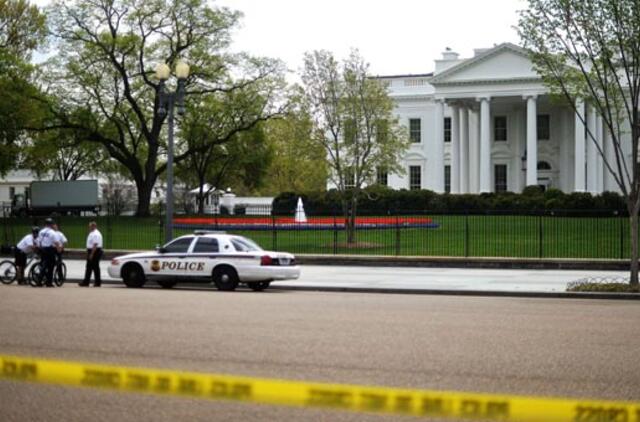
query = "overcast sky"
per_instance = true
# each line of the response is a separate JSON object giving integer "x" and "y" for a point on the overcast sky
{"x": 394, "y": 36}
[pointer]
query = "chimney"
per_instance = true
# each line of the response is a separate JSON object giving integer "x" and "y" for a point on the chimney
{"x": 449, "y": 54}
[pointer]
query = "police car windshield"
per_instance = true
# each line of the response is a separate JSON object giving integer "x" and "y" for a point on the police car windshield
{"x": 242, "y": 244}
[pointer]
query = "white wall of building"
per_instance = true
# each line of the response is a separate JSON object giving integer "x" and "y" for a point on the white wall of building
{"x": 505, "y": 77}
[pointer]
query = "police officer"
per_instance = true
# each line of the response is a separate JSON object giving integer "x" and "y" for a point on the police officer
{"x": 62, "y": 240}
{"x": 94, "y": 253}
{"x": 48, "y": 243}
{"x": 25, "y": 247}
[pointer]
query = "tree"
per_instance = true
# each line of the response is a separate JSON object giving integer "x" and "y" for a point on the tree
{"x": 103, "y": 79}
{"x": 224, "y": 133}
{"x": 354, "y": 122}
{"x": 299, "y": 164}
{"x": 60, "y": 156}
{"x": 240, "y": 162}
{"x": 22, "y": 30}
{"x": 590, "y": 51}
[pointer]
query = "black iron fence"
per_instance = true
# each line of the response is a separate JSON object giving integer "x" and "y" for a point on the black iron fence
{"x": 548, "y": 234}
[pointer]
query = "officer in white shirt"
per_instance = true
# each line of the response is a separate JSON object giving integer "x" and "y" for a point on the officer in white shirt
{"x": 94, "y": 253}
{"x": 25, "y": 247}
{"x": 62, "y": 240}
{"x": 48, "y": 244}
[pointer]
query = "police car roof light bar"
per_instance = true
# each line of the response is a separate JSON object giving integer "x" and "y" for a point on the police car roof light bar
{"x": 209, "y": 232}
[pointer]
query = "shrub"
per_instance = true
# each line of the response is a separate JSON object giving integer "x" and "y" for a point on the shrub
{"x": 381, "y": 200}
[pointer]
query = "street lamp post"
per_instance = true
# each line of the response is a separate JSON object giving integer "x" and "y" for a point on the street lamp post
{"x": 166, "y": 101}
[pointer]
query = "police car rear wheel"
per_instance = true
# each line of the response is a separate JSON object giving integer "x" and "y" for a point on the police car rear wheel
{"x": 258, "y": 286}
{"x": 133, "y": 276}
{"x": 225, "y": 278}
{"x": 166, "y": 284}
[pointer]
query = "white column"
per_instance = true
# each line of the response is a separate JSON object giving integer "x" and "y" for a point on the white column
{"x": 485, "y": 145}
{"x": 474, "y": 151}
{"x": 532, "y": 141}
{"x": 591, "y": 150}
{"x": 599, "y": 159}
{"x": 437, "y": 154}
{"x": 579, "y": 154}
{"x": 464, "y": 149}
{"x": 455, "y": 149}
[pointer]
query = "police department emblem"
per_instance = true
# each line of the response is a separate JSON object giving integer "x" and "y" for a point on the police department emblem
{"x": 155, "y": 265}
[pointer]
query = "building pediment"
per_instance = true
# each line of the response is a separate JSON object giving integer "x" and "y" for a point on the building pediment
{"x": 505, "y": 62}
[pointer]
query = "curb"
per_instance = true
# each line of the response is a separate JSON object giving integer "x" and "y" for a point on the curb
{"x": 429, "y": 262}
{"x": 435, "y": 292}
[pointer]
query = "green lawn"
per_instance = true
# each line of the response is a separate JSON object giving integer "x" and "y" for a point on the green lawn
{"x": 457, "y": 235}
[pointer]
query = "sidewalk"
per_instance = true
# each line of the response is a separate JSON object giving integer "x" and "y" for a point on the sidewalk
{"x": 449, "y": 281}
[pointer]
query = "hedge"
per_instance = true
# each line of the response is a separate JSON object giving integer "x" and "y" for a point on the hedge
{"x": 379, "y": 200}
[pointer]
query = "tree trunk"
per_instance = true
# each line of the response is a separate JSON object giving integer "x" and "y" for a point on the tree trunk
{"x": 351, "y": 221}
{"x": 200, "y": 199}
{"x": 633, "y": 278}
{"x": 144, "y": 189}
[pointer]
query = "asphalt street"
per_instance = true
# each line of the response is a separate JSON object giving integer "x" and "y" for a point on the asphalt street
{"x": 407, "y": 278}
{"x": 549, "y": 347}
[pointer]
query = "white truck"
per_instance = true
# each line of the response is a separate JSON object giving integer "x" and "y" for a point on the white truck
{"x": 62, "y": 197}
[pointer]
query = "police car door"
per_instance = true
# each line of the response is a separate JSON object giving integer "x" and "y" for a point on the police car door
{"x": 203, "y": 257}
{"x": 173, "y": 259}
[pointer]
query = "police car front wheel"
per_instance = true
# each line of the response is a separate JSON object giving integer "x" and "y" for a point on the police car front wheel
{"x": 225, "y": 278}
{"x": 133, "y": 275}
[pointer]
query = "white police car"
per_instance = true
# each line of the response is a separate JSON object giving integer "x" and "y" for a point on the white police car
{"x": 222, "y": 259}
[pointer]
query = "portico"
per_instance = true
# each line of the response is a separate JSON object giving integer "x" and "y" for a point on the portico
{"x": 489, "y": 125}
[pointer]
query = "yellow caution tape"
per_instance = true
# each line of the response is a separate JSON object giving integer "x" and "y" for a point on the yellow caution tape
{"x": 426, "y": 403}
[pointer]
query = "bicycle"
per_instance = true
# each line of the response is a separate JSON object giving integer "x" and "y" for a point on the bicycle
{"x": 9, "y": 271}
{"x": 36, "y": 274}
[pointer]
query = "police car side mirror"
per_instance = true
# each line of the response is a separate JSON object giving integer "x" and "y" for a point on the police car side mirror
{"x": 160, "y": 249}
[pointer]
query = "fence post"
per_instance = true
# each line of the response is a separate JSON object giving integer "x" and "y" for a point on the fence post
{"x": 335, "y": 234}
{"x": 466, "y": 233}
{"x": 397, "y": 234}
{"x": 274, "y": 233}
{"x": 160, "y": 231}
{"x": 540, "y": 234}
{"x": 621, "y": 219}
{"x": 109, "y": 242}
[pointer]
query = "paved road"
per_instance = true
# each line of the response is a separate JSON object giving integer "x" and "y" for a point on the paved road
{"x": 405, "y": 278}
{"x": 580, "y": 348}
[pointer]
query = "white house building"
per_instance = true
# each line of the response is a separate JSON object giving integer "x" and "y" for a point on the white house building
{"x": 486, "y": 124}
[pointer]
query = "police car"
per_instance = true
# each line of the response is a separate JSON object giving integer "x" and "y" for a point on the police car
{"x": 222, "y": 259}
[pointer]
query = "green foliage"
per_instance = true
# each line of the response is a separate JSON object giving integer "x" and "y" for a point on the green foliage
{"x": 603, "y": 287}
{"x": 58, "y": 154}
{"x": 298, "y": 164}
{"x": 376, "y": 200}
{"x": 227, "y": 140}
{"x": 353, "y": 120}
{"x": 105, "y": 89}
{"x": 588, "y": 52}
{"x": 22, "y": 29}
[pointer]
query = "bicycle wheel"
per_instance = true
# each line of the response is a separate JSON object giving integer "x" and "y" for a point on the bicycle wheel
{"x": 36, "y": 275}
{"x": 8, "y": 272}
{"x": 60, "y": 274}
